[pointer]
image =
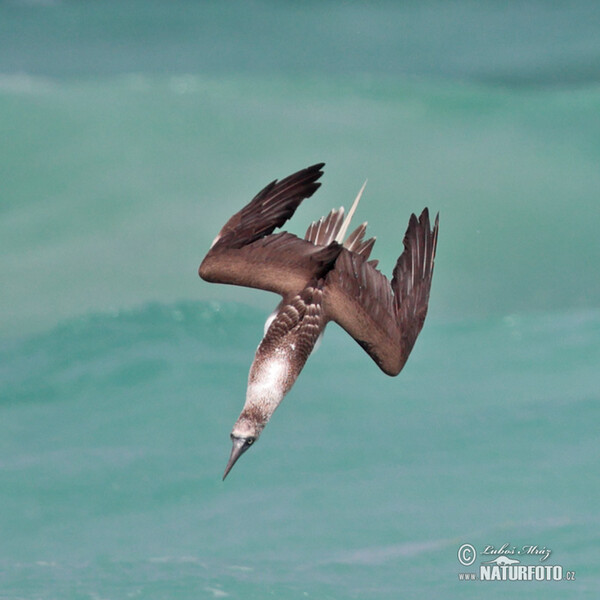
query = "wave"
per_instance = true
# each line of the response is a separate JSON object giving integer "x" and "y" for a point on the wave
{"x": 176, "y": 341}
{"x": 115, "y": 433}
{"x": 124, "y": 348}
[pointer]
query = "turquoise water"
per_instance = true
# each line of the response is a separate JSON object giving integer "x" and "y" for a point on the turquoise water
{"x": 115, "y": 436}
{"x": 130, "y": 132}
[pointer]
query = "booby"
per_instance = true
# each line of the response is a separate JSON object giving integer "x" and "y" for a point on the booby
{"x": 320, "y": 278}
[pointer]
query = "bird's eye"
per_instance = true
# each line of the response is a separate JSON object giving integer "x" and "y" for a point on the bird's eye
{"x": 249, "y": 441}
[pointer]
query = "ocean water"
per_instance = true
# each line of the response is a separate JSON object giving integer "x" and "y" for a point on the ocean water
{"x": 130, "y": 132}
{"x": 115, "y": 436}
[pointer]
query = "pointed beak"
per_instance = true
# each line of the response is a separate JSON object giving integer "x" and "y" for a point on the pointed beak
{"x": 236, "y": 451}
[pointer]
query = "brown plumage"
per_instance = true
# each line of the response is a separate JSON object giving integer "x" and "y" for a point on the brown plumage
{"x": 320, "y": 280}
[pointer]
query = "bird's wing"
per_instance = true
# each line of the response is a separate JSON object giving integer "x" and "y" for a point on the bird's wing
{"x": 385, "y": 318}
{"x": 325, "y": 231}
{"x": 246, "y": 253}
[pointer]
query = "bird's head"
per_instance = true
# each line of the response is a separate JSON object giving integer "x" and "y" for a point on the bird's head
{"x": 245, "y": 433}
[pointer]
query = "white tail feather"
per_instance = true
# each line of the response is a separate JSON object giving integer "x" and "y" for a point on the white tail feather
{"x": 340, "y": 236}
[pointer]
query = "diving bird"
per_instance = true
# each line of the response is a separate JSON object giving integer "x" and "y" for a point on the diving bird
{"x": 320, "y": 278}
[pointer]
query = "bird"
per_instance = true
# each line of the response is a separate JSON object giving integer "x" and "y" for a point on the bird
{"x": 320, "y": 278}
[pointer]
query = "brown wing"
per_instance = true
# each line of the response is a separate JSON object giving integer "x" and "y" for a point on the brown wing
{"x": 385, "y": 319}
{"x": 324, "y": 231}
{"x": 354, "y": 242}
{"x": 245, "y": 253}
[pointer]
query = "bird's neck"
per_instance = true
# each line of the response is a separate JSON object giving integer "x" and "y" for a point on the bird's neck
{"x": 269, "y": 380}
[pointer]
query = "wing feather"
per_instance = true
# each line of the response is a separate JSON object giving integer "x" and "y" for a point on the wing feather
{"x": 247, "y": 253}
{"x": 325, "y": 230}
{"x": 385, "y": 318}
{"x": 270, "y": 208}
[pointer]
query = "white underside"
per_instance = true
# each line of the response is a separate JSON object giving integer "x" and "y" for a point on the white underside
{"x": 269, "y": 320}
{"x": 269, "y": 378}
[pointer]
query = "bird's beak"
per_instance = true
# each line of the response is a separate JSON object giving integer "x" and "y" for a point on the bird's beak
{"x": 236, "y": 451}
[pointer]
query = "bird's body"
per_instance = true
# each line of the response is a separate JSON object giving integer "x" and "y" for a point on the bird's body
{"x": 285, "y": 348}
{"x": 321, "y": 278}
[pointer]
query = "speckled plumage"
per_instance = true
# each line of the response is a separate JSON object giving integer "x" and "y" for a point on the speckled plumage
{"x": 320, "y": 280}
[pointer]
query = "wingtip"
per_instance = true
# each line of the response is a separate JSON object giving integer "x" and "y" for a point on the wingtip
{"x": 314, "y": 172}
{"x": 424, "y": 218}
